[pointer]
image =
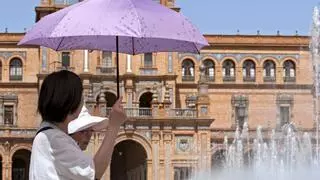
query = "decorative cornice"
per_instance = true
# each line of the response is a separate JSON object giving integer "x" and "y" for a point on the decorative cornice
{"x": 7, "y": 54}
{"x": 18, "y": 85}
{"x": 175, "y": 123}
{"x": 238, "y": 56}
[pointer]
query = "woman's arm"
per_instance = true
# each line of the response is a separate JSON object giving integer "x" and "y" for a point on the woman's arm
{"x": 103, "y": 156}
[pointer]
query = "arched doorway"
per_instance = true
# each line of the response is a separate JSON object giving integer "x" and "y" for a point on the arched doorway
{"x": 145, "y": 104}
{"x": 218, "y": 160}
{"x": 129, "y": 161}
{"x": 1, "y": 167}
{"x": 20, "y": 165}
{"x": 110, "y": 98}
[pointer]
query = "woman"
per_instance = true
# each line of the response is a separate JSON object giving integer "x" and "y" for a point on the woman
{"x": 55, "y": 155}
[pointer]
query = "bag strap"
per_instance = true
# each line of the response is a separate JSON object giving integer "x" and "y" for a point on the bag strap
{"x": 43, "y": 129}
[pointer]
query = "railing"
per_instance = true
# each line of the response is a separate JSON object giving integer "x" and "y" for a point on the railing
{"x": 106, "y": 70}
{"x": 209, "y": 78}
{"x": 138, "y": 112}
{"x": 65, "y": 2}
{"x": 269, "y": 79}
{"x": 183, "y": 113}
{"x": 147, "y": 112}
{"x": 289, "y": 79}
{"x": 15, "y": 78}
{"x": 187, "y": 78}
{"x": 134, "y": 112}
{"x": 229, "y": 78}
{"x": 148, "y": 70}
{"x": 249, "y": 79}
{"x": 17, "y": 132}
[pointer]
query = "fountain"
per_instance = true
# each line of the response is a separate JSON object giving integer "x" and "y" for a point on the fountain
{"x": 280, "y": 154}
{"x": 286, "y": 154}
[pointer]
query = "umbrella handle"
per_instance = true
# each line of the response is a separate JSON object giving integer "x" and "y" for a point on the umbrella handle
{"x": 117, "y": 64}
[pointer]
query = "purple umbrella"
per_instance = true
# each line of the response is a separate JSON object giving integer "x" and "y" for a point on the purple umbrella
{"x": 123, "y": 26}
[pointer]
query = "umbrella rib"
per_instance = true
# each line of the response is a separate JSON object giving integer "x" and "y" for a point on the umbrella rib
{"x": 133, "y": 53}
{"x": 140, "y": 30}
{"x": 196, "y": 48}
{"x": 59, "y": 44}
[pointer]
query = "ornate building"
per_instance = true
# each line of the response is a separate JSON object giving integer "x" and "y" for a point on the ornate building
{"x": 181, "y": 106}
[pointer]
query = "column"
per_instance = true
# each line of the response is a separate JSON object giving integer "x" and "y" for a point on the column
{"x": 203, "y": 151}
{"x": 149, "y": 169}
{"x": 129, "y": 70}
{"x": 43, "y": 59}
{"x": 155, "y": 154}
{"x": 167, "y": 155}
{"x": 86, "y": 61}
{"x": 4, "y": 167}
{"x": 170, "y": 63}
{"x": 129, "y": 100}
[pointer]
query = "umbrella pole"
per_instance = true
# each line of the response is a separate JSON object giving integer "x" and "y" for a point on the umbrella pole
{"x": 117, "y": 61}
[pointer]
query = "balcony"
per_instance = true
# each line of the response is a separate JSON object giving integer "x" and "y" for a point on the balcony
{"x": 148, "y": 70}
{"x": 65, "y": 2}
{"x": 269, "y": 79}
{"x": 187, "y": 78}
{"x": 12, "y": 132}
{"x": 289, "y": 79}
{"x": 106, "y": 70}
{"x": 249, "y": 79}
{"x": 134, "y": 112}
{"x": 15, "y": 78}
{"x": 147, "y": 113}
{"x": 229, "y": 78}
{"x": 209, "y": 78}
{"x": 183, "y": 113}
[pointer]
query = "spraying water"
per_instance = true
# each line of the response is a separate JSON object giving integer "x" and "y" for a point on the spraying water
{"x": 286, "y": 154}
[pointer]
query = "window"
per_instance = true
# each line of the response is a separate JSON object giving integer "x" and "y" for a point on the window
{"x": 8, "y": 114}
{"x": 187, "y": 70}
{"x": 209, "y": 70}
{"x": 240, "y": 116}
{"x": 65, "y": 59}
{"x": 182, "y": 173}
{"x": 248, "y": 70}
{"x": 284, "y": 109}
{"x": 106, "y": 59}
{"x": 148, "y": 60}
{"x": 240, "y": 110}
{"x": 289, "y": 71}
{"x": 15, "y": 69}
{"x": 170, "y": 63}
{"x": 269, "y": 72}
{"x": 228, "y": 71}
{"x": 284, "y": 115}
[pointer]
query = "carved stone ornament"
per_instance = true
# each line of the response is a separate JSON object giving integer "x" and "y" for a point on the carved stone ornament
{"x": 184, "y": 144}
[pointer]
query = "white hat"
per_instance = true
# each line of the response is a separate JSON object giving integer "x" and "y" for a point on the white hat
{"x": 84, "y": 121}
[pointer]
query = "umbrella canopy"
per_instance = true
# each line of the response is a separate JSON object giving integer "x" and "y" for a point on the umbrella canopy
{"x": 122, "y": 26}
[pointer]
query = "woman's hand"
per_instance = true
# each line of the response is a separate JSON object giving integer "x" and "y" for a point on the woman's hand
{"x": 117, "y": 115}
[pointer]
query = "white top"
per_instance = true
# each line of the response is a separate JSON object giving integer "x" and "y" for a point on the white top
{"x": 56, "y": 156}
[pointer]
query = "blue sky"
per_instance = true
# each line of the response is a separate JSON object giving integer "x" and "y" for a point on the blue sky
{"x": 210, "y": 16}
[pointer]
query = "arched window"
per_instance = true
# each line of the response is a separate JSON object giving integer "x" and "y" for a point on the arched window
{"x": 249, "y": 70}
{"x": 209, "y": 69}
{"x": 269, "y": 71}
{"x": 15, "y": 70}
{"x": 187, "y": 70}
{"x": 228, "y": 71}
{"x": 289, "y": 71}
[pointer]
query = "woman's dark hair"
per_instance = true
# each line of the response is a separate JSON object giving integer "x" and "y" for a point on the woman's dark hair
{"x": 60, "y": 95}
